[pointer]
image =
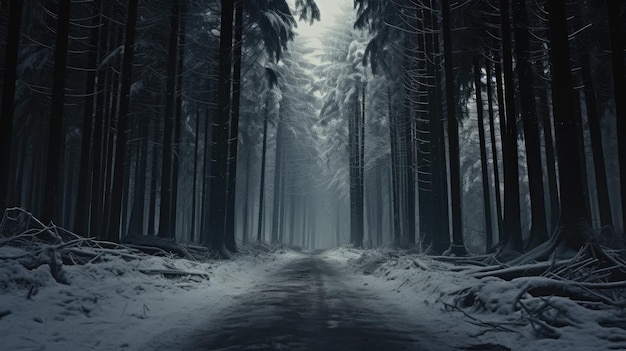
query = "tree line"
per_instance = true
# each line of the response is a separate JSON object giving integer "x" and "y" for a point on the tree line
{"x": 536, "y": 87}
{"x": 122, "y": 118}
{"x": 448, "y": 126}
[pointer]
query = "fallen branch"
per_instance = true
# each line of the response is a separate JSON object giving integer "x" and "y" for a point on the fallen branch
{"x": 174, "y": 272}
{"x": 497, "y": 326}
{"x": 420, "y": 264}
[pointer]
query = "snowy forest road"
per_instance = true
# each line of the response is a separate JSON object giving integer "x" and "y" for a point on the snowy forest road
{"x": 309, "y": 304}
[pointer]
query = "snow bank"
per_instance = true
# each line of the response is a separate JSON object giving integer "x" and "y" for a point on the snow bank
{"x": 490, "y": 316}
{"x": 118, "y": 303}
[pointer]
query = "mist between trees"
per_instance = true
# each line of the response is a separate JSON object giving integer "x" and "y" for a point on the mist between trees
{"x": 451, "y": 128}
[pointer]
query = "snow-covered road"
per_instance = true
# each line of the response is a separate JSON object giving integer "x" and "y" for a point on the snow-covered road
{"x": 310, "y": 303}
{"x": 274, "y": 299}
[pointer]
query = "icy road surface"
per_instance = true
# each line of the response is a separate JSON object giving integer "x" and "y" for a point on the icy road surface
{"x": 310, "y": 304}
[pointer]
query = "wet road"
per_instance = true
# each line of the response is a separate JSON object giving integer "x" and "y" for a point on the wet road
{"x": 307, "y": 306}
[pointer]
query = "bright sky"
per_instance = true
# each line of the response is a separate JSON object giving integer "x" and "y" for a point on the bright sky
{"x": 331, "y": 11}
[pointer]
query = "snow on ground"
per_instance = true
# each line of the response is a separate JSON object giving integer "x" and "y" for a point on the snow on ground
{"x": 122, "y": 303}
{"x": 427, "y": 288}
{"x": 118, "y": 304}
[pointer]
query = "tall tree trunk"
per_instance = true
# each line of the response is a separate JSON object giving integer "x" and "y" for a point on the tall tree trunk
{"x": 549, "y": 147}
{"x": 259, "y": 236}
{"x": 581, "y": 152}
{"x": 438, "y": 191}
{"x": 602, "y": 189}
{"x": 194, "y": 186}
{"x": 494, "y": 147}
{"x": 179, "y": 113}
{"x": 154, "y": 180}
{"x": 283, "y": 202}
{"x": 379, "y": 208}
{"x": 136, "y": 222}
{"x": 165, "y": 215}
{"x": 538, "y": 226}
{"x": 512, "y": 222}
{"x": 113, "y": 231}
{"x": 361, "y": 169}
{"x": 502, "y": 124}
{"x": 206, "y": 170}
{"x": 423, "y": 135}
{"x": 246, "y": 199}
{"x": 573, "y": 223}
{"x": 292, "y": 218}
{"x": 8, "y": 97}
{"x": 112, "y": 101}
{"x": 338, "y": 227}
{"x": 410, "y": 172}
{"x": 83, "y": 208}
{"x": 55, "y": 138}
{"x": 278, "y": 158}
{"x": 393, "y": 136}
{"x": 440, "y": 179}
{"x": 457, "y": 247}
{"x": 619, "y": 86}
{"x": 234, "y": 129}
{"x": 483, "y": 158}
{"x": 217, "y": 210}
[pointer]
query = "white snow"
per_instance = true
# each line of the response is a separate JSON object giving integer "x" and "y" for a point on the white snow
{"x": 428, "y": 294}
{"x": 112, "y": 305}
{"x": 120, "y": 304}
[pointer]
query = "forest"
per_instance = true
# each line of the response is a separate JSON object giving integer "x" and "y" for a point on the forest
{"x": 482, "y": 138}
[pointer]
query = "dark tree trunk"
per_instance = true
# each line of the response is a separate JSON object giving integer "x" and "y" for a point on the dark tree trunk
{"x": 137, "y": 211}
{"x": 439, "y": 239}
{"x": 502, "y": 122}
{"x": 216, "y": 211}
{"x": 511, "y": 228}
{"x": 361, "y": 169}
{"x": 246, "y": 199}
{"x": 55, "y": 138}
{"x": 283, "y": 202}
{"x": 483, "y": 158}
{"x": 194, "y": 186}
{"x": 581, "y": 152}
{"x": 423, "y": 135}
{"x": 573, "y": 223}
{"x": 154, "y": 180}
{"x": 83, "y": 208}
{"x": 393, "y": 136}
{"x": 259, "y": 236}
{"x": 338, "y": 227}
{"x": 98, "y": 161}
{"x": 457, "y": 247}
{"x": 234, "y": 129}
{"x": 165, "y": 215}
{"x": 353, "y": 171}
{"x": 179, "y": 113}
{"x": 619, "y": 84}
{"x": 410, "y": 165}
{"x": 550, "y": 156}
{"x": 538, "y": 226}
{"x": 292, "y": 218}
{"x": 278, "y": 158}
{"x": 595, "y": 134}
{"x": 494, "y": 148}
{"x": 113, "y": 231}
{"x": 206, "y": 170}
{"x": 379, "y": 208}
{"x": 8, "y": 97}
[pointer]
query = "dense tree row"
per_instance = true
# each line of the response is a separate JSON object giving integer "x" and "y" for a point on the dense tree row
{"x": 115, "y": 114}
{"x": 447, "y": 126}
{"x": 482, "y": 98}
